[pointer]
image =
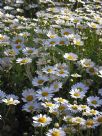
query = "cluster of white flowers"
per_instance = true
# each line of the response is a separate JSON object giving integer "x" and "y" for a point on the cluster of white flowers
{"x": 53, "y": 65}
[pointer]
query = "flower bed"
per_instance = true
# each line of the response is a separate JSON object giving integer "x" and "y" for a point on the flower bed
{"x": 51, "y": 68}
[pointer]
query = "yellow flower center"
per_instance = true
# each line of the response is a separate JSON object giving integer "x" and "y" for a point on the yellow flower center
{"x": 49, "y": 70}
{"x": 18, "y": 41}
{"x": 92, "y": 70}
{"x": 52, "y": 36}
{"x": 80, "y": 27}
{"x": 89, "y": 123}
{"x": 75, "y": 21}
{"x": 74, "y": 107}
{"x": 66, "y": 33}
{"x": 42, "y": 119}
{"x": 61, "y": 107}
{"x": 78, "y": 120}
{"x": 11, "y": 53}
{"x": 99, "y": 119}
{"x": 30, "y": 51}
{"x": 70, "y": 57}
{"x": 62, "y": 42}
{"x": 94, "y": 102}
{"x": 24, "y": 61}
{"x": 1, "y": 38}
{"x": 87, "y": 64}
{"x": 98, "y": 18}
{"x": 78, "y": 42}
{"x": 77, "y": 94}
{"x": 49, "y": 104}
{"x": 45, "y": 94}
{"x": 56, "y": 133}
{"x": 83, "y": 106}
{"x": 10, "y": 102}
{"x": 29, "y": 98}
{"x": 93, "y": 25}
{"x": 69, "y": 120}
{"x": 93, "y": 111}
{"x": 60, "y": 100}
{"x": 56, "y": 86}
{"x": 40, "y": 81}
{"x": 24, "y": 35}
{"x": 18, "y": 46}
{"x": 61, "y": 72}
{"x": 52, "y": 42}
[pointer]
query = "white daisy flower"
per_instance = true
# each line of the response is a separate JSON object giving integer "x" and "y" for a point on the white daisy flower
{"x": 51, "y": 42}
{"x": 78, "y": 42}
{"x": 62, "y": 107}
{"x": 70, "y": 56}
{"x": 62, "y": 66}
{"x": 87, "y": 63}
{"x": 62, "y": 73}
{"x": 44, "y": 94}
{"x": 74, "y": 108}
{"x": 63, "y": 41}
{"x": 18, "y": 40}
{"x": 68, "y": 119}
{"x": 11, "y": 100}
{"x": 77, "y": 94}
{"x": 29, "y": 51}
{"x": 78, "y": 121}
{"x": 24, "y": 34}
{"x": 98, "y": 119}
{"x": 17, "y": 47}
{"x": 31, "y": 107}
{"x": 40, "y": 80}
{"x": 4, "y": 39}
{"x": 56, "y": 86}
{"x": 29, "y": 95}
{"x": 90, "y": 123}
{"x": 56, "y": 132}
{"x": 51, "y": 34}
{"x": 67, "y": 32}
{"x": 59, "y": 22}
{"x": 92, "y": 70}
{"x": 80, "y": 86}
{"x": 41, "y": 120}
{"x": 93, "y": 25}
{"x": 60, "y": 100}
{"x": 94, "y": 101}
{"x": 90, "y": 112}
{"x": 10, "y": 52}
{"x": 83, "y": 107}
{"x": 75, "y": 19}
{"x": 49, "y": 70}
{"x": 54, "y": 110}
{"x": 23, "y": 61}
{"x": 48, "y": 104}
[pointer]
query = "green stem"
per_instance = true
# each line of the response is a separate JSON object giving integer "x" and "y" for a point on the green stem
{"x": 8, "y": 111}
{"x": 41, "y": 131}
{"x": 29, "y": 75}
